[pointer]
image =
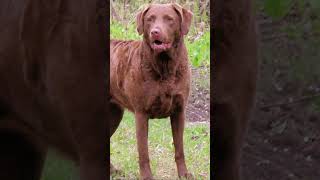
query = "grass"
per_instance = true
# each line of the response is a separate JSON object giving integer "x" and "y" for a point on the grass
{"x": 198, "y": 47}
{"x": 119, "y": 31}
{"x": 57, "y": 168}
{"x": 199, "y": 50}
{"x": 196, "y": 142}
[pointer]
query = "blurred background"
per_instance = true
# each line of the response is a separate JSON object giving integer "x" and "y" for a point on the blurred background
{"x": 283, "y": 140}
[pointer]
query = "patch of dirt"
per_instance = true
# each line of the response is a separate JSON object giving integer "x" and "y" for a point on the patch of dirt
{"x": 198, "y": 108}
{"x": 283, "y": 143}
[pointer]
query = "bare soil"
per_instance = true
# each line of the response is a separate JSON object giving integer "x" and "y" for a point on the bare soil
{"x": 283, "y": 143}
{"x": 198, "y": 108}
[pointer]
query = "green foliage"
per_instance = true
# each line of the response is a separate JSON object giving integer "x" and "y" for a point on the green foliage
{"x": 118, "y": 31}
{"x": 199, "y": 50}
{"x": 277, "y": 8}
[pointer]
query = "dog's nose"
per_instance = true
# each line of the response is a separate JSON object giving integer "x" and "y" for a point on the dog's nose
{"x": 155, "y": 32}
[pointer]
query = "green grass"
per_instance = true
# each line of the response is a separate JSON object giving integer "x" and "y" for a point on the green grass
{"x": 198, "y": 49}
{"x": 57, "y": 168}
{"x": 124, "y": 154}
{"x": 118, "y": 31}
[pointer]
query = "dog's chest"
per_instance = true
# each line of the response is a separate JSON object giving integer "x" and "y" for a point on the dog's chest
{"x": 162, "y": 99}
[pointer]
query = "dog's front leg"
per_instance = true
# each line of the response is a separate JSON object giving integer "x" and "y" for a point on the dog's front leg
{"x": 142, "y": 141}
{"x": 177, "y": 125}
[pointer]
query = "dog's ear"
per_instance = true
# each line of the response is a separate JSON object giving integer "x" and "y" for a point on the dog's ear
{"x": 186, "y": 17}
{"x": 139, "y": 19}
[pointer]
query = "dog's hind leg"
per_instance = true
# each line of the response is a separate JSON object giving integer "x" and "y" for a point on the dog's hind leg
{"x": 116, "y": 114}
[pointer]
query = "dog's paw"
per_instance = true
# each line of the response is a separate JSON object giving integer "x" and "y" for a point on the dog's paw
{"x": 146, "y": 178}
{"x": 187, "y": 176}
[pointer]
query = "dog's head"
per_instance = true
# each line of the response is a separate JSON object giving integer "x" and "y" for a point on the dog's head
{"x": 162, "y": 25}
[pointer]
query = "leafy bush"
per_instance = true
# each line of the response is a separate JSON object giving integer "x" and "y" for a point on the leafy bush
{"x": 199, "y": 50}
{"x": 118, "y": 31}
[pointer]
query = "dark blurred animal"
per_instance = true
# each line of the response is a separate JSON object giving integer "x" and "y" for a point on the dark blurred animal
{"x": 234, "y": 82}
{"x": 53, "y": 86}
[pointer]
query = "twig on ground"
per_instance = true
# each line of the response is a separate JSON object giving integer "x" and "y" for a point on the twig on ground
{"x": 289, "y": 102}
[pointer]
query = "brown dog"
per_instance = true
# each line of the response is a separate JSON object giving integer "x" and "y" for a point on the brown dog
{"x": 234, "y": 81}
{"x": 53, "y": 86}
{"x": 151, "y": 78}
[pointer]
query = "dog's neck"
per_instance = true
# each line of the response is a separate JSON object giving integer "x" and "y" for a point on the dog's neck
{"x": 164, "y": 64}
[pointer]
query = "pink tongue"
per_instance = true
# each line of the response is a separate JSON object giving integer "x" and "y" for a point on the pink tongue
{"x": 161, "y": 47}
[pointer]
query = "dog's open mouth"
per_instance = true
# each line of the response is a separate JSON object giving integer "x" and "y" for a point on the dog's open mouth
{"x": 160, "y": 46}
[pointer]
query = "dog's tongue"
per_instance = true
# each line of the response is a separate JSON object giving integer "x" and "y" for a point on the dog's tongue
{"x": 161, "y": 47}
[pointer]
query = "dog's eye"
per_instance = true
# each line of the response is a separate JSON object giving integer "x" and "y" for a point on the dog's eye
{"x": 168, "y": 18}
{"x": 150, "y": 18}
